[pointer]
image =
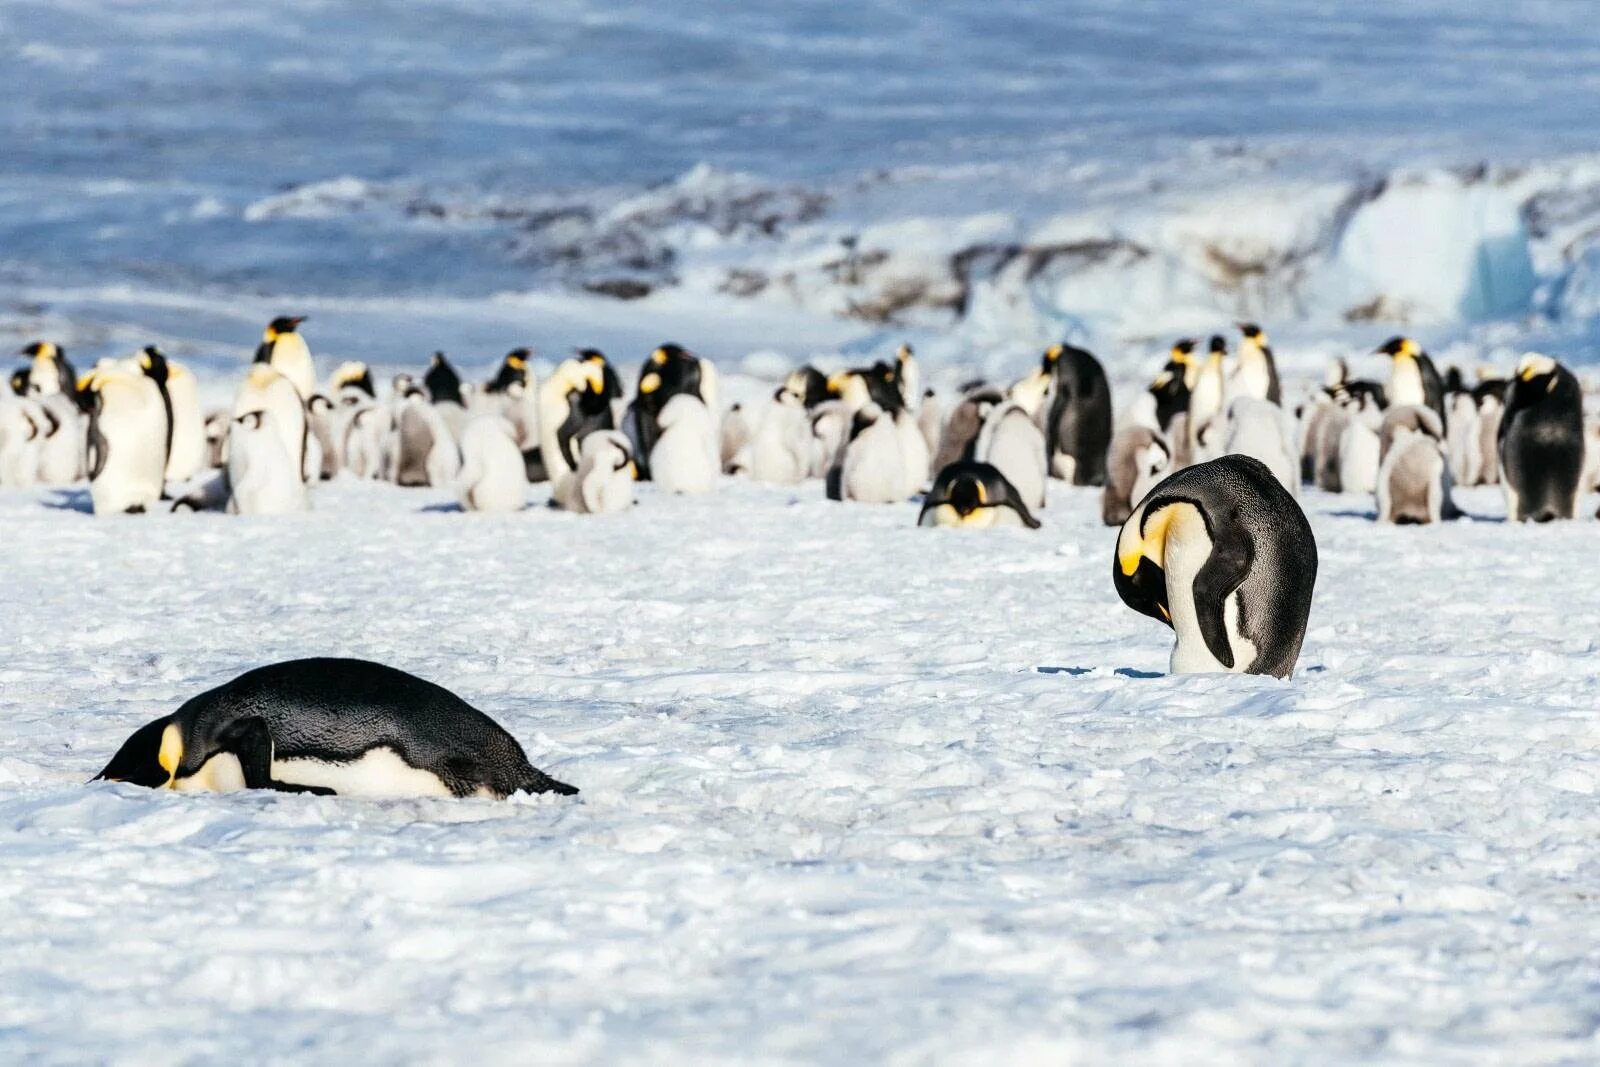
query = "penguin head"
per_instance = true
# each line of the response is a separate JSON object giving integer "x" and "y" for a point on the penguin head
{"x": 1140, "y": 575}
{"x": 1400, "y": 348}
{"x": 1217, "y": 348}
{"x": 19, "y": 381}
{"x": 281, "y": 325}
{"x": 139, "y": 760}
{"x": 44, "y": 350}
{"x": 1534, "y": 365}
{"x": 154, "y": 364}
{"x": 517, "y": 358}
{"x": 850, "y": 387}
{"x": 1253, "y": 333}
{"x": 967, "y": 493}
{"x": 904, "y": 354}
{"x": 176, "y": 752}
{"x": 1183, "y": 351}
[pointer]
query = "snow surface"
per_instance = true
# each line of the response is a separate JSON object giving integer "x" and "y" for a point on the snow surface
{"x": 852, "y": 790}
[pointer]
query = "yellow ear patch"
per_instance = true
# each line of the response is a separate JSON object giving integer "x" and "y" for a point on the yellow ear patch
{"x": 269, "y": 335}
{"x": 983, "y": 494}
{"x": 658, "y": 357}
{"x": 171, "y": 751}
{"x": 516, "y": 362}
{"x": 1158, "y": 528}
{"x": 1053, "y": 353}
{"x": 650, "y": 383}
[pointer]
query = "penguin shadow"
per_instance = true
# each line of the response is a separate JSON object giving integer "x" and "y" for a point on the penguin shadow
{"x": 1133, "y": 672}
{"x": 71, "y": 500}
{"x": 1079, "y": 672}
{"x": 450, "y": 508}
{"x": 1354, "y": 513}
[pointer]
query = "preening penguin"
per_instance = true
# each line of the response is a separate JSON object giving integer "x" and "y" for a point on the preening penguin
{"x": 263, "y": 479}
{"x": 1413, "y": 379}
{"x": 340, "y": 726}
{"x": 1078, "y": 427}
{"x": 1257, "y": 372}
{"x": 974, "y": 495}
{"x": 685, "y": 455}
{"x": 127, "y": 439}
{"x": 1541, "y": 441}
{"x": 670, "y": 371}
{"x": 604, "y": 479}
{"x": 264, "y": 389}
{"x": 51, "y": 372}
{"x": 1413, "y": 477}
{"x": 571, "y": 406}
{"x": 1223, "y": 554}
{"x": 1012, "y": 442}
{"x": 493, "y": 476}
{"x": 780, "y": 450}
{"x": 1140, "y": 458}
{"x": 283, "y": 349}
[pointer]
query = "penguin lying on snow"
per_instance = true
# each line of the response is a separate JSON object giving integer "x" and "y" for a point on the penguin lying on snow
{"x": 974, "y": 495}
{"x": 1541, "y": 441}
{"x": 1223, "y": 554}
{"x": 340, "y": 726}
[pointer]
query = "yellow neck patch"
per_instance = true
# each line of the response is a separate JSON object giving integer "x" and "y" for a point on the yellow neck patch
{"x": 171, "y": 751}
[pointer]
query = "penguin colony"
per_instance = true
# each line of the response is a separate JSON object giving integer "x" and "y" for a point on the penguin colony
{"x": 1200, "y": 478}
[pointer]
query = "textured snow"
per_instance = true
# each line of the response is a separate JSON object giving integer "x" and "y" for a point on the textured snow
{"x": 851, "y": 790}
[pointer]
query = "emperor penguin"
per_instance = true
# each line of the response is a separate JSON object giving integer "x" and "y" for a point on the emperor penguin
{"x": 1223, "y": 554}
{"x": 444, "y": 392}
{"x": 830, "y": 433}
{"x": 127, "y": 438}
{"x": 670, "y": 371}
{"x": 513, "y": 369}
{"x": 263, "y": 478}
{"x": 61, "y": 454}
{"x": 960, "y": 437}
{"x": 265, "y": 389}
{"x": 323, "y": 417}
{"x": 1490, "y": 397}
{"x": 286, "y": 352}
{"x": 780, "y": 448}
{"x": 1258, "y": 427}
{"x": 1465, "y": 451}
{"x": 684, "y": 459}
{"x": 1170, "y": 387}
{"x": 1541, "y": 441}
{"x": 908, "y": 378}
{"x": 22, "y": 433}
{"x": 1078, "y": 426}
{"x": 51, "y": 372}
{"x": 180, "y": 393}
{"x": 1413, "y": 379}
{"x": 810, "y": 384}
{"x": 735, "y": 440}
{"x": 426, "y": 452}
{"x": 1140, "y": 457}
{"x": 332, "y": 726}
{"x": 1207, "y": 397}
{"x": 350, "y": 378}
{"x": 1413, "y": 478}
{"x": 871, "y": 464}
{"x": 1012, "y": 442}
{"x": 930, "y": 420}
{"x": 603, "y": 482}
{"x": 571, "y": 407}
{"x": 217, "y": 425}
{"x": 1359, "y": 452}
{"x": 974, "y": 495}
{"x": 1257, "y": 372}
{"x": 493, "y": 476}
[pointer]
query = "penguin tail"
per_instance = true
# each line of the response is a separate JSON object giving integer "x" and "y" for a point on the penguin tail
{"x": 540, "y": 782}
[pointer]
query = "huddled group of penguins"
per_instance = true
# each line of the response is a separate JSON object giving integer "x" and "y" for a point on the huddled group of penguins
{"x": 1201, "y": 478}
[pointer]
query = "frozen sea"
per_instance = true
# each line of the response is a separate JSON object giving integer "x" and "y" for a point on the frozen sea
{"x": 851, "y": 791}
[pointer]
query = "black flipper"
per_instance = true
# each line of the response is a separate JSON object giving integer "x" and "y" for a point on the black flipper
{"x": 250, "y": 740}
{"x": 1219, "y": 578}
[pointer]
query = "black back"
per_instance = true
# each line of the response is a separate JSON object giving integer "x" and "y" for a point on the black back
{"x": 442, "y": 381}
{"x": 1080, "y": 414}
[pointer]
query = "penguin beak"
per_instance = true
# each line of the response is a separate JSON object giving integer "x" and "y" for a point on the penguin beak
{"x": 650, "y": 383}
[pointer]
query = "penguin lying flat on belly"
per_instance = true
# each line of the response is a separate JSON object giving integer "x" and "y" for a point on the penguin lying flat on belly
{"x": 976, "y": 495}
{"x": 1223, "y": 554}
{"x": 340, "y": 726}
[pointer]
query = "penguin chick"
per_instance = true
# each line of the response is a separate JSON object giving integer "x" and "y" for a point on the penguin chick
{"x": 960, "y": 438}
{"x": 1257, "y": 427}
{"x": 340, "y": 726}
{"x": 872, "y": 470}
{"x": 425, "y": 450}
{"x": 735, "y": 440}
{"x": 603, "y": 482}
{"x": 930, "y": 420}
{"x": 322, "y": 416}
{"x": 262, "y": 477}
{"x": 126, "y": 457}
{"x": 61, "y": 453}
{"x": 1223, "y": 554}
{"x": 974, "y": 495}
{"x": 780, "y": 450}
{"x": 1414, "y": 480}
{"x": 684, "y": 457}
{"x": 1140, "y": 457}
{"x": 493, "y": 476}
{"x": 1012, "y": 442}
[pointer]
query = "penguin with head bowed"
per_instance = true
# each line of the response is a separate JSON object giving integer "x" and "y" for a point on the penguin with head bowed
{"x": 264, "y": 389}
{"x": 352, "y": 376}
{"x": 670, "y": 371}
{"x": 330, "y": 726}
{"x": 286, "y": 352}
{"x": 1078, "y": 427}
{"x": 127, "y": 438}
{"x": 1541, "y": 441}
{"x": 1170, "y": 387}
{"x": 1012, "y": 442}
{"x": 1413, "y": 476}
{"x": 1140, "y": 457}
{"x": 810, "y": 384}
{"x": 1413, "y": 379}
{"x": 976, "y": 495}
{"x": 603, "y": 482}
{"x": 51, "y": 372}
{"x": 685, "y": 455}
{"x": 180, "y": 393}
{"x": 780, "y": 451}
{"x": 323, "y": 418}
{"x": 493, "y": 476}
{"x": 1207, "y": 399}
{"x": 1259, "y": 428}
{"x": 263, "y": 478}
{"x": 1223, "y": 554}
{"x": 571, "y": 406}
{"x": 1256, "y": 374}
{"x": 960, "y": 437}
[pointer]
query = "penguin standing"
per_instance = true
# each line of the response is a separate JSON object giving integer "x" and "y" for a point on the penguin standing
{"x": 671, "y": 370}
{"x": 1359, "y": 451}
{"x": 22, "y": 433}
{"x": 514, "y": 393}
{"x": 1223, "y": 554}
{"x": 810, "y": 384}
{"x": 1078, "y": 427}
{"x": 493, "y": 476}
{"x": 735, "y": 440}
{"x": 61, "y": 453}
{"x": 930, "y": 420}
{"x": 265, "y": 389}
{"x": 1541, "y": 441}
{"x": 571, "y": 406}
{"x": 263, "y": 478}
{"x": 1413, "y": 486}
{"x": 1139, "y": 459}
{"x": 1012, "y": 442}
{"x": 684, "y": 456}
{"x": 285, "y": 351}
{"x": 908, "y": 378}
{"x": 1257, "y": 427}
{"x": 1413, "y": 379}
{"x": 1490, "y": 397}
{"x": 1170, "y": 387}
{"x": 51, "y": 372}
{"x": 425, "y": 450}
{"x": 1257, "y": 372}
{"x": 444, "y": 391}
{"x": 322, "y": 418}
{"x": 780, "y": 449}
{"x": 974, "y": 495}
{"x": 1466, "y": 456}
{"x": 603, "y": 482}
{"x": 186, "y": 430}
{"x": 127, "y": 439}
{"x": 1207, "y": 396}
{"x": 341, "y": 726}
